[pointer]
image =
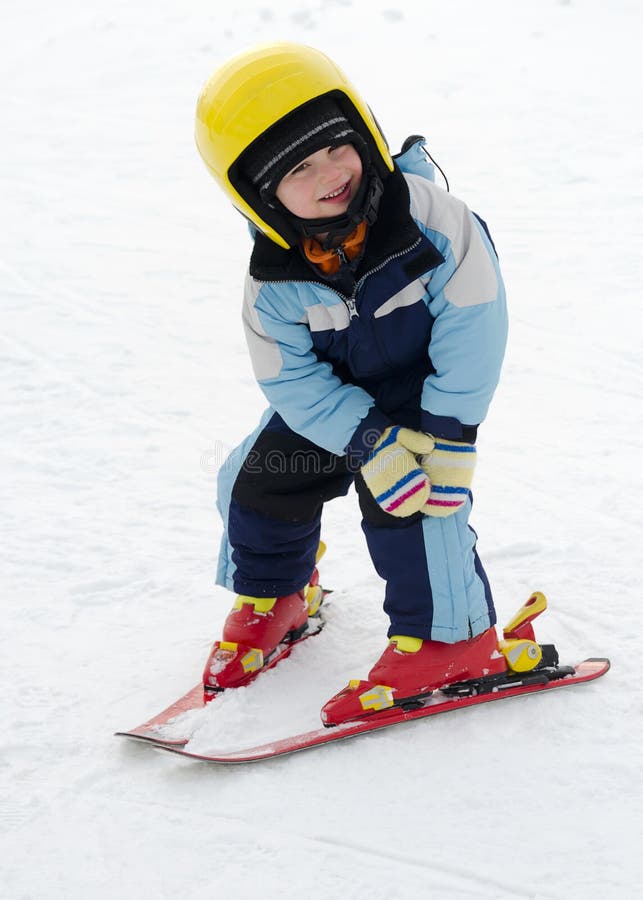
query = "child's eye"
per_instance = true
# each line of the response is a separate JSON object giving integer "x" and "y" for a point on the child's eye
{"x": 299, "y": 168}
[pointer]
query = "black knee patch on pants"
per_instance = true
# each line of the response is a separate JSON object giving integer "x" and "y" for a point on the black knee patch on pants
{"x": 289, "y": 478}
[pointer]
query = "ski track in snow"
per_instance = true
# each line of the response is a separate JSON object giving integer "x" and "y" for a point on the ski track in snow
{"x": 126, "y": 381}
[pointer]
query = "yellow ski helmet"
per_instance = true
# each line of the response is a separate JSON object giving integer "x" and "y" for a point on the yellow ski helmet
{"x": 253, "y": 91}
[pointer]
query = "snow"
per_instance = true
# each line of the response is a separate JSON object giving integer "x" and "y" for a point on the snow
{"x": 126, "y": 380}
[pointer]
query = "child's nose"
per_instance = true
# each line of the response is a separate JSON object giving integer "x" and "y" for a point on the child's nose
{"x": 330, "y": 170}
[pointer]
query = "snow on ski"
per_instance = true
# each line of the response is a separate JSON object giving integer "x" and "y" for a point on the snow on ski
{"x": 437, "y": 703}
{"x": 151, "y": 731}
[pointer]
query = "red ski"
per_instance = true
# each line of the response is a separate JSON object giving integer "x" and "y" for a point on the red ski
{"x": 436, "y": 703}
{"x": 152, "y": 731}
{"x": 529, "y": 667}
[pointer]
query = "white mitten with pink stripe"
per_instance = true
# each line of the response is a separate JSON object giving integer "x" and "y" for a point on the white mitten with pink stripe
{"x": 393, "y": 474}
{"x": 449, "y": 467}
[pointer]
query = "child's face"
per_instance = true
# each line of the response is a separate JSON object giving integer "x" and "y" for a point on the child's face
{"x": 323, "y": 184}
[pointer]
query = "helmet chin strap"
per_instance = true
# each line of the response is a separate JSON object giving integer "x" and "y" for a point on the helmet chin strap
{"x": 363, "y": 208}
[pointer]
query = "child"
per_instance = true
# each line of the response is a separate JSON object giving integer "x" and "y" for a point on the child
{"x": 375, "y": 316}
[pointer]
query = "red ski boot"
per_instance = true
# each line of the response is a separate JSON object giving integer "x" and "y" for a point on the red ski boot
{"x": 411, "y": 667}
{"x": 255, "y": 629}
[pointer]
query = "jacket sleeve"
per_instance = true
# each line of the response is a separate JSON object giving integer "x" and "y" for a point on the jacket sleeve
{"x": 310, "y": 398}
{"x": 466, "y": 298}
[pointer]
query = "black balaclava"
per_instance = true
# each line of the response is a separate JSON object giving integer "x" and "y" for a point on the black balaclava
{"x": 318, "y": 124}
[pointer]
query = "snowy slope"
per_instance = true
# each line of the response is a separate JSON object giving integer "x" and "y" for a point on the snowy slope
{"x": 125, "y": 381}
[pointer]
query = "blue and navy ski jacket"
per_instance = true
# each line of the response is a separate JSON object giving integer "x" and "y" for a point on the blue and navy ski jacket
{"x": 418, "y": 342}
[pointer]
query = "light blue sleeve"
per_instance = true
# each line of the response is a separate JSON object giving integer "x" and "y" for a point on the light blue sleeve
{"x": 466, "y": 297}
{"x": 305, "y": 392}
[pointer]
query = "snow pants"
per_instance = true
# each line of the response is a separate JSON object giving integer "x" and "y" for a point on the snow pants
{"x": 271, "y": 492}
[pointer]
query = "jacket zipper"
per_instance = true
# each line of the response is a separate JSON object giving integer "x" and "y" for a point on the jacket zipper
{"x": 350, "y": 302}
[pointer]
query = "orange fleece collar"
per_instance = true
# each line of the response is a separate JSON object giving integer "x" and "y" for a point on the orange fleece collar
{"x": 329, "y": 261}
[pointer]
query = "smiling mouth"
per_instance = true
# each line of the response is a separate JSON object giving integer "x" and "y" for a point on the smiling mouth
{"x": 340, "y": 194}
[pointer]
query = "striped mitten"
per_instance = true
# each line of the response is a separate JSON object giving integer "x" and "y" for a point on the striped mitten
{"x": 449, "y": 467}
{"x": 392, "y": 473}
